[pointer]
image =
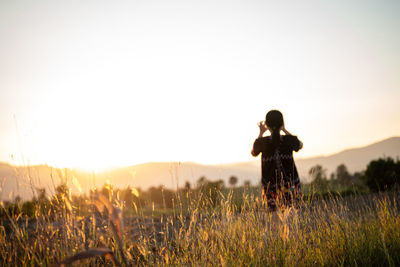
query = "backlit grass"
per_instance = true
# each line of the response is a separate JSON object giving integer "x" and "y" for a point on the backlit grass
{"x": 356, "y": 230}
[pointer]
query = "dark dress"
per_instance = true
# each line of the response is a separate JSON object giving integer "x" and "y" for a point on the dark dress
{"x": 280, "y": 179}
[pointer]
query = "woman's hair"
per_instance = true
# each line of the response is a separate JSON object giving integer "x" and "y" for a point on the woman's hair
{"x": 274, "y": 120}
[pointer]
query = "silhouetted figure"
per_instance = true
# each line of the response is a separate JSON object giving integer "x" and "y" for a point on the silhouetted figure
{"x": 280, "y": 180}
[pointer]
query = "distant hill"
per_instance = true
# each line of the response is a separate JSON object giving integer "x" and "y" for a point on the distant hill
{"x": 356, "y": 159}
{"x": 22, "y": 181}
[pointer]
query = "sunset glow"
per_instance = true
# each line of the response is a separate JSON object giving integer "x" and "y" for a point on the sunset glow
{"x": 100, "y": 85}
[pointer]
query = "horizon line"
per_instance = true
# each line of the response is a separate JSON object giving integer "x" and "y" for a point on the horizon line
{"x": 103, "y": 170}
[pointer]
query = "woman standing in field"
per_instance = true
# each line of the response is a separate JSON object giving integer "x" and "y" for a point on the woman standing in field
{"x": 280, "y": 180}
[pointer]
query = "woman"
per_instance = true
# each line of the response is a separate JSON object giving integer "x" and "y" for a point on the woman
{"x": 280, "y": 180}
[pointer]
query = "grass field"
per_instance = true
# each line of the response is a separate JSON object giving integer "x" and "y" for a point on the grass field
{"x": 357, "y": 230}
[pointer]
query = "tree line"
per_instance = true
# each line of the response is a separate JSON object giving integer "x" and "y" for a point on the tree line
{"x": 381, "y": 174}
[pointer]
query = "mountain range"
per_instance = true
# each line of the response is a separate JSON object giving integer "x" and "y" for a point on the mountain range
{"x": 23, "y": 181}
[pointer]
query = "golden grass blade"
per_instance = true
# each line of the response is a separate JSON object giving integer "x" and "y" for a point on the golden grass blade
{"x": 108, "y": 253}
{"x": 115, "y": 214}
{"x": 68, "y": 204}
{"x": 76, "y": 183}
{"x": 102, "y": 202}
{"x": 135, "y": 192}
{"x": 116, "y": 220}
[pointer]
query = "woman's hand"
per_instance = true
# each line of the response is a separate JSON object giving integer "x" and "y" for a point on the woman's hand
{"x": 263, "y": 128}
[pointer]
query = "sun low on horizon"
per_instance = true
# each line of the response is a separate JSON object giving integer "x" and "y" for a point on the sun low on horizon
{"x": 97, "y": 85}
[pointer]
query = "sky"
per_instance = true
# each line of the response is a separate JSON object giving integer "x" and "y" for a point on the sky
{"x": 98, "y": 84}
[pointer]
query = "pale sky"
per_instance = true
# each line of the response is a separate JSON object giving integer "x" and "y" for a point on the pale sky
{"x": 96, "y": 84}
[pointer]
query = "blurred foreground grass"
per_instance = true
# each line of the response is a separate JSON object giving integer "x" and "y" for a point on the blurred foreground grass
{"x": 356, "y": 230}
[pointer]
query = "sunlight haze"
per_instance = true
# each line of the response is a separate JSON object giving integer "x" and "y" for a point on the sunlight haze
{"x": 97, "y": 84}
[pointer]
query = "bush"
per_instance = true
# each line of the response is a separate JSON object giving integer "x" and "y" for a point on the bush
{"x": 382, "y": 174}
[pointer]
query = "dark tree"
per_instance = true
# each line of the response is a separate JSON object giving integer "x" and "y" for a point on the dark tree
{"x": 42, "y": 193}
{"x": 17, "y": 199}
{"x": 233, "y": 181}
{"x": 187, "y": 185}
{"x": 382, "y": 174}
{"x": 356, "y": 178}
{"x": 343, "y": 176}
{"x": 247, "y": 183}
{"x": 320, "y": 181}
{"x": 202, "y": 181}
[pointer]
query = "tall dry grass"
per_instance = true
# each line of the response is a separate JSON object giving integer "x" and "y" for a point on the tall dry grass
{"x": 357, "y": 231}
